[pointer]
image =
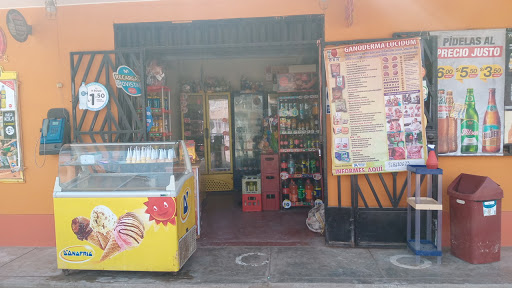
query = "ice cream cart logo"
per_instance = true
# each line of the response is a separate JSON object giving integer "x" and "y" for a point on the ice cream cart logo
{"x": 184, "y": 206}
{"x": 76, "y": 254}
{"x": 127, "y": 80}
{"x": 161, "y": 210}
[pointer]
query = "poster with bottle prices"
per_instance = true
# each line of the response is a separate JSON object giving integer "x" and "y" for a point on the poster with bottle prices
{"x": 471, "y": 89}
{"x": 11, "y": 164}
{"x": 375, "y": 95}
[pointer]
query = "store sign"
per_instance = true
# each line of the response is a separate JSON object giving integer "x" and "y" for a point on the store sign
{"x": 375, "y": 97}
{"x": 127, "y": 80}
{"x": 471, "y": 85}
{"x": 97, "y": 97}
{"x": 18, "y": 26}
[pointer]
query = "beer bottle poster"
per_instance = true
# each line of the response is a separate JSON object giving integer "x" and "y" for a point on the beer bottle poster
{"x": 471, "y": 89}
{"x": 376, "y": 100}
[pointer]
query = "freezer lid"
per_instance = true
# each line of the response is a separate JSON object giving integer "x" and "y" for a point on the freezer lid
{"x": 172, "y": 190}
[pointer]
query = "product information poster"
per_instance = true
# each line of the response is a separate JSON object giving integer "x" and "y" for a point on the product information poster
{"x": 375, "y": 95}
{"x": 471, "y": 88}
{"x": 10, "y": 162}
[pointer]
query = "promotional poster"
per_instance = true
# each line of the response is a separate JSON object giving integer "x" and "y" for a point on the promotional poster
{"x": 471, "y": 89}
{"x": 375, "y": 97}
{"x": 10, "y": 162}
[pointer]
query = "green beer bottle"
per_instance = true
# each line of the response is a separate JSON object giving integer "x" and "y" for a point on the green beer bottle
{"x": 469, "y": 126}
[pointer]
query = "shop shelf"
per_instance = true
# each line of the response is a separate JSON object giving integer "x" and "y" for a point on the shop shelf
{"x": 153, "y": 89}
{"x": 427, "y": 248}
{"x": 425, "y": 203}
{"x": 300, "y": 132}
{"x": 298, "y": 150}
{"x": 315, "y": 176}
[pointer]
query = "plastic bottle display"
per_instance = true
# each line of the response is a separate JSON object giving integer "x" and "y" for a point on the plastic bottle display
{"x": 286, "y": 190}
{"x": 491, "y": 134}
{"x": 469, "y": 126}
{"x": 309, "y": 191}
{"x": 317, "y": 192}
{"x": 301, "y": 190}
{"x": 299, "y": 131}
{"x": 294, "y": 192}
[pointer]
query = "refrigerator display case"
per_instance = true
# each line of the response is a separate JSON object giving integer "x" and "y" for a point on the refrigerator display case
{"x": 125, "y": 207}
{"x": 206, "y": 120}
{"x": 248, "y": 118}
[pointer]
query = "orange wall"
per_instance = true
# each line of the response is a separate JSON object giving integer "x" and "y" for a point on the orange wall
{"x": 43, "y": 61}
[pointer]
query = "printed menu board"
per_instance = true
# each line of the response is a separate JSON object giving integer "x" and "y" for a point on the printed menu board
{"x": 375, "y": 96}
{"x": 471, "y": 88}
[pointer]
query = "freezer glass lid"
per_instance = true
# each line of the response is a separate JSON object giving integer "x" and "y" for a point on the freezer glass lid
{"x": 122, "y": 167}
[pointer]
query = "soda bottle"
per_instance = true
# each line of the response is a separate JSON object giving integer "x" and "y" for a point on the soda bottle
{"x": 309, "y": 191}
{"x": 317, "y": 194}
{"x": 3, "y": 96}
{"x": 305, "y": 166}
{"x": 301, "y": 111}
{"x": 291, "y": 143}
{"x": 491, "y": 135}
{"x": 291, "y": 165}
{"x": 314, "y": 110}
{"x": 286, "y": 190}
{"x": 294, "y": 192}
{"x": 452, "y": 123}
{"x": 301, "y": 191}
{"x": 442, "y": 123}
{"x": 469, "y": 126}
{"x": 298, "y": 167}
{"x": 284, "y": 163}
{"x": 312, "y": 165}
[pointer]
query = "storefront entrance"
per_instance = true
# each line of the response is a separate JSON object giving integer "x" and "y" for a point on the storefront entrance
{"x": 220, "y": 85}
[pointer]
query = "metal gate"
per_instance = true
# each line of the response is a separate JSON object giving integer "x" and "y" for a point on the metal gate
{"x": 123, "y": 118}
{"x": 373, "y": 220}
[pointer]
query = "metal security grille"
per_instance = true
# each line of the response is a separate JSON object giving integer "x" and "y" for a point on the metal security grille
{"x": 118, "y": 121}
{"x": 298, "y": 28}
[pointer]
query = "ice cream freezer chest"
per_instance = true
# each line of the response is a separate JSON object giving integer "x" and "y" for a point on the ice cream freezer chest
{"x": 128, "y": 207}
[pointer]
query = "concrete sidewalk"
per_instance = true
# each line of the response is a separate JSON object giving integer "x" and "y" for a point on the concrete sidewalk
{"x": 266, "y": 267}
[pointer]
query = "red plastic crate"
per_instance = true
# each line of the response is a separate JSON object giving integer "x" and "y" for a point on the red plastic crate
{"x": 270, "y": 163}
{"x": 251, "y": 202}
{"x": 271, "y": 200}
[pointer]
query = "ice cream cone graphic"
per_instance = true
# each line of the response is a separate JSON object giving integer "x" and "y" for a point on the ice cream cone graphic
{"x": 95, "y": 240}
{"x": 127, "y": 234}
{"x": 111, "y": 250}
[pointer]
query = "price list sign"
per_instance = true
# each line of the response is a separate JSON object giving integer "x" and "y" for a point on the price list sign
{"x": 375, "y": 95}
{"x": 471, "y": 88}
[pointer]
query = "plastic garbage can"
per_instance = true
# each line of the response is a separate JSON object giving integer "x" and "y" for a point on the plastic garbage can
{"x": 475, "y": 218}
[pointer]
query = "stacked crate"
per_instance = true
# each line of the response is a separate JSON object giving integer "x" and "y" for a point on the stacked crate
{"x": 251, "y": 194}
{"x": 270, "y": 181}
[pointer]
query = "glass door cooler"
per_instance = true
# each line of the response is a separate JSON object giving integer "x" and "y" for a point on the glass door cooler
{"x": 248, "y": 117}
{"x": 125, "y": 207}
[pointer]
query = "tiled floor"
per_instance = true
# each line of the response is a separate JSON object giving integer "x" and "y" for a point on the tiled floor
{"x": 224, "y": 224}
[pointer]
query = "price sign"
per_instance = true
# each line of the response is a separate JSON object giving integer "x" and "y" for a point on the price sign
{"x": 466, "y": 72}
{"x": 9, "y": 120}
{"x": 490, "y": 71}
{"x": 445, "y": 72}
{"x": 97, "y": 96}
